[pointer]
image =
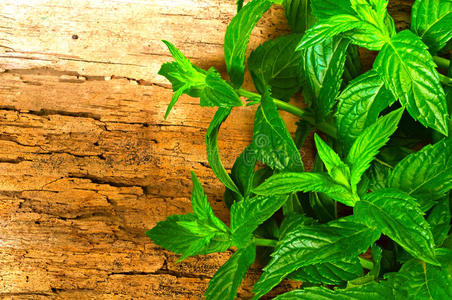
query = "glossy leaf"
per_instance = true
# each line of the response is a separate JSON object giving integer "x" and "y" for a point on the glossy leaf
{"x": 193, "y": 81}
{"x": 377, "y": 27}
{"x": 439, "y": 219}
{"x": 308, "y": 245}
{"x": 298, "y": 14}
{"x": 201, "y": 206}
{"x": 187, "y": 235}
{"x": 328, "y": 29}
{"x": 352, "y": 68}
{"x": 371, "y": 291}
{"x": 328, "y": 156}
{"x": 432, "y": 21}
{"x": 239, "y": 4}
{"x": 427, "y": 174}
{"x": 408, "y": 70}
{"x": 237, "y": 38}
{"x": 248, "y": 214}
{"x": 323, "y": 66}
{"x": 272, "y": 141}
{"x": 218, "y": 92}
{"x": 418, "y": 280}
{"x": 398, "y": 216}
{"x": 369, "y": 142}
{"x": 367, "y": 25}
{"x": 276, "y": 64}
{"x": 336, "y": 168}
{"x": 329, "y": 273}
{"x": 243, "y": 170}
{"x": 378, "y": 176}
{"x": 285, "y": 183}
{"x": 291, "y": 222}
{"x": 213, "y": 152}
{"x": 359, "y": 106}
{"x": 324, "y": 9}
{"x": 225, "y": 282}
{"x": 323, "y": 208}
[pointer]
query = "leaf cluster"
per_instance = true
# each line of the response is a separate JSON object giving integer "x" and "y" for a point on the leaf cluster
{"x": 382, "y": 175}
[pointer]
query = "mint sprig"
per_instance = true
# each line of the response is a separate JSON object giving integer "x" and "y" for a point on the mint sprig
{"x": 380, "y": 184}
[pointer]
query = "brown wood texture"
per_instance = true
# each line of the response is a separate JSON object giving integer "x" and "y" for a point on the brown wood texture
{"x": 87, "y": 163}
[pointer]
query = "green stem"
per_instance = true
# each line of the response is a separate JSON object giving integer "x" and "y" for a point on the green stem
{"x": 384, "y": 163}
{"x": 265, "y": 242}
{"x": 248, "y": 94}
{"x": 366, "y": 264}
{"x": 303, "y": 115}
{"x": 445, "y": 80}
{"x": 441, "y": 62}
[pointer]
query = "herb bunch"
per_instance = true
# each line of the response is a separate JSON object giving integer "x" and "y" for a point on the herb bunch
{"x": 369, "y": 190}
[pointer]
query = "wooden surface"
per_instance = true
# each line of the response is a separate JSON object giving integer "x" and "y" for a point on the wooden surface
{"x": 87, "y": 163}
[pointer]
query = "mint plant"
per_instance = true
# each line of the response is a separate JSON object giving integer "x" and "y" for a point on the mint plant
{"x": 369, "y": 190}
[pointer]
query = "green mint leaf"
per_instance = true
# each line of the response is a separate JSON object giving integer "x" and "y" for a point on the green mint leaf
{"x": 329, "y": 28}
{"x": 218, "y": 92}
{"x": 324, "y": 9}
{"x": 359, "y": 105}
{"x": 328, "y": 156}
{"x": 377, "y": 256}
{"x": 369, "y": 142}
{"x": 213, "y": 153}
{"x": 286, "y": 183}
{"x": 397, "y": 215}
{"x": 315, "y": 244}
{"x": 373, "y": 12}
{"x": 193, "y": 81}
{"x": 377, "y": 176}
{"x": 352, "y": 68}
{"x": 332, "y": 273}
{"x": 198, "y": 233}
{"x": 272, "y": 141}
{"x": 226, "y": 281}
{"x": 323, "y": 66}
{"x": 371, "y": 291}
{"x": 243, "y": 170}
{"x": 201, "y": 206}
{"x": 301, "y": 133}
{"x": 175, "y": 98}
{"x": 432, "y": 21}
{"x": 426, "y": 175}
{"x": 237, "y": 38}
{"x": 276, "y": 64}
{"x": 439, "y": 219}
{"x": 187, "y": 235}
{"x": 292, "y": 221}
{"x": 367, "y": 25}
{"x": 183, "y": 236}
{"x": 418, "y": 280}
{"x": 239, "y": 4}
{"x": 336, "y": 168}
{"x": 409, "y": 71}
{"x": 292, "y": 205}
{"x": 248, "y": 214}
{"x": 324, "y": 208}
{"x": 378, "y": 25}
{"x": 298, "y": 14}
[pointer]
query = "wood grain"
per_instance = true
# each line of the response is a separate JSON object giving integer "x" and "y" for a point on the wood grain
{"x": 87, "y": 162}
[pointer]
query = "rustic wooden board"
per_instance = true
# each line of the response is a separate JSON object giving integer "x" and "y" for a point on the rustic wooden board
{"x": 87, "y": 162}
